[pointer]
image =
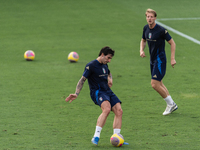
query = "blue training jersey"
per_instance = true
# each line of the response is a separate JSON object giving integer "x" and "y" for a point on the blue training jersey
{"x": 97, "y": 75}
{"x": 156, "y": 41}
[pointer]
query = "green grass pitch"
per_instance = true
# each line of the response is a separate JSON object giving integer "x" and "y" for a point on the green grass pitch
{"x": 33, "y": 111}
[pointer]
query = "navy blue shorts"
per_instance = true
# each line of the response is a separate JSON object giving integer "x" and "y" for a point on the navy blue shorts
{"x": 99, "y": 97}
{"x": 158, "y": 70}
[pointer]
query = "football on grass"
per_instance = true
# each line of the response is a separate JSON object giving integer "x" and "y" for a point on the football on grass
{"x": 29, "y": 55}
{"x": 73, "y": 57}
{"x": 117, "y": 140}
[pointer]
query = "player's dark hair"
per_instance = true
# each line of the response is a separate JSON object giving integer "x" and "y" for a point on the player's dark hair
{"x": 106, "y": 50}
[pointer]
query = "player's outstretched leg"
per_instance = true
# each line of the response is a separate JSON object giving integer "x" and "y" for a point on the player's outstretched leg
{"x": 106, "y": 108}
{"x": 162, "y": 90}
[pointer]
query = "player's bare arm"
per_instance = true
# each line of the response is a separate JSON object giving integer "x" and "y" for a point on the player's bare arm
{"x": 79, "y": 86}
{"x": 173, "y": 48}
{"x": 110, "y": 81}
{"x": 142, "y": 46}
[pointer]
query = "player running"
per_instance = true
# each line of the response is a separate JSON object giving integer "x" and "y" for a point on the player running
{"x": 155, "y": 35}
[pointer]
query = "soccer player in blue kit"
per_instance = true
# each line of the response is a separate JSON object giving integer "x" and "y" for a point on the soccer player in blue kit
{"x": 100, "y": 81}
{"x": 155, "y": 35}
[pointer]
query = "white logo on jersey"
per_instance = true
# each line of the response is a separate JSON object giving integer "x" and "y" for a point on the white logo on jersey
{"x": 100, "y": 98}
{"x": 150, "y": 34}
{"x": 104, "y": 71}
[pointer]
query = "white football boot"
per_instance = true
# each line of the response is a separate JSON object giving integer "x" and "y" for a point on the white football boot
{"x": 170, "y": 108}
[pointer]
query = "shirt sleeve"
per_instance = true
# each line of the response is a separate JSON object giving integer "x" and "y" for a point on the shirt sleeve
{"x": 143, "y": 34}
{"x": 108, "y": 69}
{"x": 87, "y": 71}
{"x": 166, "y": 35}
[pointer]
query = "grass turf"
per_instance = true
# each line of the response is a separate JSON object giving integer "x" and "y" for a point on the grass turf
{"x": 34, "y": 114}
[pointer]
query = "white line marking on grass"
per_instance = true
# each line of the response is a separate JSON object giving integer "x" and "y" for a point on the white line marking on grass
{"x": 167, "y": 19}
{"x": 179, "y": 33}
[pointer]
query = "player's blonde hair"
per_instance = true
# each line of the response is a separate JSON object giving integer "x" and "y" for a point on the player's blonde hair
{"x": 151, "y": 11}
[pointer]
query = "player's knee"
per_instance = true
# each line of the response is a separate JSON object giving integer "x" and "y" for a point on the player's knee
{"x": 107, "y": 110}
{"x": 119, "y": 112}
{"x": 153, "y": 85}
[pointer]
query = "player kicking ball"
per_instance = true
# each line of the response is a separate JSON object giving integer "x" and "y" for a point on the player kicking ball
{"x": 100, "y": 81}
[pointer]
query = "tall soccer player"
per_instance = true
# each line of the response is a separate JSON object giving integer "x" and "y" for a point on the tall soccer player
{"x": 155, "y": 35}
{"x": 100, "y": 81}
